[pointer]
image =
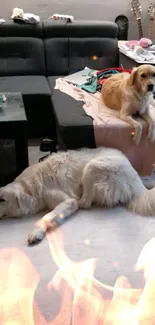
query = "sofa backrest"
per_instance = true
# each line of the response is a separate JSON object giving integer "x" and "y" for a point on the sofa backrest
{"x": 52, "y": 48}
{"x": 74, "y": 46}
{"x": 21, "y": 49}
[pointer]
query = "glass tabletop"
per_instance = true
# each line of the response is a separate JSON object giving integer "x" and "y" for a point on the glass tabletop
{"x": 13, "y": 108}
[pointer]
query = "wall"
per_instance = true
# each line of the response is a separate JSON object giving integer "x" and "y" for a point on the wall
{"x": 81, "y": 9}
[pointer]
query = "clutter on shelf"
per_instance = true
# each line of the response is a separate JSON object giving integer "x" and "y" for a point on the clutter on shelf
{"x": 2, "y": 21}
{"x": 62, "y": 18}
{"x": 142, "y": 50}
{"x": 18, "y": 15}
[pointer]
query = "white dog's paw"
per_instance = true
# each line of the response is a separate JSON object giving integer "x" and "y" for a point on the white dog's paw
{"x": 35, "y": 236}
{"x": 137, "y": 134}
{"x": 84, "y": 204}
{"x": 151, "y": 133}
{"x": 1, "y": 213}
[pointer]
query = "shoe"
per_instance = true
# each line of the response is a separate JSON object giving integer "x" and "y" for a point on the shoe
{"x": 47, "y": 144}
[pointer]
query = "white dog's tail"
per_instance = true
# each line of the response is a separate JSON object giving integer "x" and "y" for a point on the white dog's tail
{"x": 144, "y": 203}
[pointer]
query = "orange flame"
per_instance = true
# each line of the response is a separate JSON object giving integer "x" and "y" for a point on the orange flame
{"x": 83, "y": 301}
{"x": 16, "y": 288}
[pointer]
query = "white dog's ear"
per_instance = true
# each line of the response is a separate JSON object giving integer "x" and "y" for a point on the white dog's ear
{"x": 1, "y": 190}
{"x": 25, "y": 202}
{"x": 133, "y": 76}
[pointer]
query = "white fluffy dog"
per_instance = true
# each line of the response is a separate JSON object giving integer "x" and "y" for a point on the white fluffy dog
{"x": 70, "y": 180}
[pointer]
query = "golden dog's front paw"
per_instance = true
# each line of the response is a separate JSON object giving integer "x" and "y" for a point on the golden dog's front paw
{"x": 35, "y": 236}
{"x": 151, "y": 133}
{"x": 137, "y": 138}
{"x": 137, "y": 134}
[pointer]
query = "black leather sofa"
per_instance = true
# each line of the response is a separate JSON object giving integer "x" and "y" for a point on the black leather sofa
{"x": 32, "y": 57}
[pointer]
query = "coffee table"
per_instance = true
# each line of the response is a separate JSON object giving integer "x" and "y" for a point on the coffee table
{"x": 13, "y": 125}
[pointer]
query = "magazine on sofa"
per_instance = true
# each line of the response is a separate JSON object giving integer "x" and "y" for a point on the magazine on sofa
{"x": 79, "y": 77}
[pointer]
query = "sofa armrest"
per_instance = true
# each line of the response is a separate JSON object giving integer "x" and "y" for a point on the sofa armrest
{"x": 74, "y": 125}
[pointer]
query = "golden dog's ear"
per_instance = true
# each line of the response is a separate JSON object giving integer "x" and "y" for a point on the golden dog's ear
{"x": 133, "y": 77}
{"x": 25, "y": 202}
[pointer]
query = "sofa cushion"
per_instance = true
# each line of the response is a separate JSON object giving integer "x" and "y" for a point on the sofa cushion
{"x": 65, "y": 56}
{"x": 95, "y": 52}
{"x": 74, "y": 125}
{"x": 10, "y": 28}
{"x": 57, "y": 56}
{"x": 27, "y": 85}
{"x": 52, "y": 81}
{"x": 21, "y": 56}
{"x": 71, "y": 47}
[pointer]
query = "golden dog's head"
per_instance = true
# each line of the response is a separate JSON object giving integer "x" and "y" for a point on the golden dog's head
{"x": 143, "y": 79}
{"x": 14, "y": 202}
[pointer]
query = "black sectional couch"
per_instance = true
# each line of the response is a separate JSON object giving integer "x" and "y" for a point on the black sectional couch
{"x": 32, "y": 57}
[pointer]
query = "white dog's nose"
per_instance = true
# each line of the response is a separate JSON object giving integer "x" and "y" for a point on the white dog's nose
{"x": 2, "y": 200}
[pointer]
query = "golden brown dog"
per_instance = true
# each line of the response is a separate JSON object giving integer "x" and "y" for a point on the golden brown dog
{"x": 131, "y": 94}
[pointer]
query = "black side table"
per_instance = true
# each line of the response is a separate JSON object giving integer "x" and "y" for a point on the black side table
{"x": 13, "y": 125}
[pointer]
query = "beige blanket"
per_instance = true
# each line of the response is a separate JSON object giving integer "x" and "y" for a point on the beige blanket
{"x": 110, "y": 131}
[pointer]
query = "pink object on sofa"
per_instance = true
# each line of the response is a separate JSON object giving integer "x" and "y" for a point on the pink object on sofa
{"x": 110, "y": 131}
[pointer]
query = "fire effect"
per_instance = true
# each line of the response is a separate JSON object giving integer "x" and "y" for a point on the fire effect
{"x": 95, "y": 57}
{"x": 83, "y": 301}
{"x": 87, "y": 242}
